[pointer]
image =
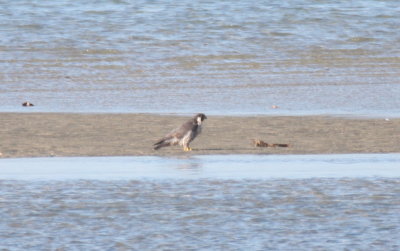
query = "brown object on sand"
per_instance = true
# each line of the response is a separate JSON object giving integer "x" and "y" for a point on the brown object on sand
{"x": 260, "y": 143}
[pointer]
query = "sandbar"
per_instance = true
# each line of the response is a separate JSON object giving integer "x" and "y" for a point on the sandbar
{"x": 69, "y": 134}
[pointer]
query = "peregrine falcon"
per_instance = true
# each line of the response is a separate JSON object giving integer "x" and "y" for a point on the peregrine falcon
{"x": 184, "y": 134}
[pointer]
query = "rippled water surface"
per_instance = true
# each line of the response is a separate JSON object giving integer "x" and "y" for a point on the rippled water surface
{"x": 219, "y": 57}
{"x": 324, "y": 202}
{"x": 322, "y": 214}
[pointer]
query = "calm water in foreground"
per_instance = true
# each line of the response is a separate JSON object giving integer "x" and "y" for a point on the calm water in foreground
{"x": 218, "y": 57}
{"x": 325, "y": 202}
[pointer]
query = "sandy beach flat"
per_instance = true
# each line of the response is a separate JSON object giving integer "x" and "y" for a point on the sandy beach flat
{"x": 64, "y": 134}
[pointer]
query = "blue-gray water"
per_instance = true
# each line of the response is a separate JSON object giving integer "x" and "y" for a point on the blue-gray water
{"x": 310, "y": 202}
{"x": 217, "y": 57}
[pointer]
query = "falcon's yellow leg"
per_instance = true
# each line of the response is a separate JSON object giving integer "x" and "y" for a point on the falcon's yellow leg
{"x": 187, "y": 149}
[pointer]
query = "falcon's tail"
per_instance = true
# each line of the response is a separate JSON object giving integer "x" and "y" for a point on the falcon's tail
{"x": 160, "y": 144}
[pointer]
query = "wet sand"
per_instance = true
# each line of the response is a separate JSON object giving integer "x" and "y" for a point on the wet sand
{"x": 64, "y": 134}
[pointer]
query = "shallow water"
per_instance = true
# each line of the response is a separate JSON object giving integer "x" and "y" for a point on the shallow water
{"x": 324, "y": 202}
{"x": 203, "y": 167}
{"x": 218, "y": 57}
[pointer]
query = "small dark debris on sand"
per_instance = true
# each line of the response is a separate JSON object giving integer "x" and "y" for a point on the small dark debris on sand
{"x": 27, "y": 104}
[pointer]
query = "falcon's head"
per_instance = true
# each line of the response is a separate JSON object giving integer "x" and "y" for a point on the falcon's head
{"x": 199, "y": 118}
